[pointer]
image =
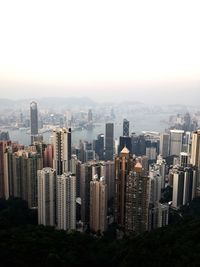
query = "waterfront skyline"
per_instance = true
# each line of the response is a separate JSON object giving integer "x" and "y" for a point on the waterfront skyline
{"x": 133, "y": 49}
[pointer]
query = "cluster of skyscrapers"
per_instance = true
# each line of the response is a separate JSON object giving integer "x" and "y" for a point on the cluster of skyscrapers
{"x": 104, "y": 181}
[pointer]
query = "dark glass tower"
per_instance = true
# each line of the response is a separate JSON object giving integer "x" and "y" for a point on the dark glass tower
{"x": 109, "y": 146}
{"x": 124, "y": 141}
{"x": 99, "y": 146}
{"x": 34, "y": 121}
{"x": 125, "y": 127}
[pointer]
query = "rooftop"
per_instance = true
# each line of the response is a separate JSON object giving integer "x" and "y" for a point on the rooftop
{"x": 125, "y": 150}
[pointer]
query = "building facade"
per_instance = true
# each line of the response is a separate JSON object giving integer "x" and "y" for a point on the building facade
{"x": 66, "y": 201}
{"x": 47, "y": 197}
{"x": 125, "y": 127}
{"x": 124, "y": 163}
{"x": 109, "y": 141}
{"x": 164, "y": 144}
{"x": 98, "y": 204}
{"x": 34, "y": 121}
{"x": 137, "y": 200}
{"x": 61, "y": 150}
{"x": 176, "y": 142}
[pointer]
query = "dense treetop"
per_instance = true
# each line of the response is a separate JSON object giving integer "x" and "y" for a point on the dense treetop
{"x": 23, "y": 243}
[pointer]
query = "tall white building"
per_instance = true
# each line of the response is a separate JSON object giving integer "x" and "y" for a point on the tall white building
{"x": 176, "y": 142}
{"x": 155, "y": 184}
{"x": 62, "y": 150}
{"x": 47, "y": 197}
{"x": 195, "y": 150}
{"x": 161, "y": 165}
{"x": 187, "y": 142}
{"x": 195, "y": 158}
{"x": 184, "y": 186}
{"x": 66, "y": 201}
{"x": 178, "y": 187}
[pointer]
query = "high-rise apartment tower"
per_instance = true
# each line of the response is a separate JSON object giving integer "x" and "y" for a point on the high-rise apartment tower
{"x": 47, "y": 196}
{"x": 34, "y": 121}
{"x": 62, "y": 150}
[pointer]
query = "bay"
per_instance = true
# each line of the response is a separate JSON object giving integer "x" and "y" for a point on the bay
{"x": 139, "y": 123}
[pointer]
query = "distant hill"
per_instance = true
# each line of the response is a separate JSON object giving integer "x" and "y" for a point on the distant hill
{"x": 6, "y": 103}
{"x": 49, "y": 102}
{"x": 66, "y": 101}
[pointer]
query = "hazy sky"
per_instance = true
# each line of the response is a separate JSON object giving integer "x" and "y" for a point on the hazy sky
{"x": 92, "y": 47}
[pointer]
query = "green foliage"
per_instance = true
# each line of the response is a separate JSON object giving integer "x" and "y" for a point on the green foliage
{"x": 14, "y": 212}
{"x": 192, "y": 210}
{"x": 33, "y": 245}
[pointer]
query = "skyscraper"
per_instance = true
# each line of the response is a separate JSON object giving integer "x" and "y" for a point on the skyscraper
{"x": 48, "y": 156}
{"x": 88, "y": 151}
{"x": 160, "y": 166}
{"x": 90, "y": 120}
{"x": 141, "y": 146}
{"x": 125, "y": 127}
{"x": 178, "y": 189}
{"x": 20, "y": 169}
{"x": 184, "y": 186}
{"x": 61, "y": 150}
{"x": 176, "y": 142}
{"x": 164, "y": 144}
{"x": 87, "y": 172}
{"x": 124, "y": 141}
{"x": 66, "y": 201}
{"x": 98, "y": 204}
{"x": 47, "y": 197}
{"x": 195, "y": 151}
{"x": 155, "y": 181}
{"x": 76, "y": 169}
{"x": 109, "y": 144}
{"x": 151, "y": 150}
{"x": 99, "y": 146}
{"x": 187, "y": 142}
{"x": 34, "y": 121}
{"x": 4, "y": 136}
{"x": 35, "y": 163}
{"x": 3, "y": 145}
{"x": 137, "y": 200}
{"x": 110, "y": 181}
{"x": 90, "y": 117}
{"x": 195, "y": 157}
{"x": 124, "y": 163}
{"x": 184, "y": 159}
{"x": 158, "y": 216}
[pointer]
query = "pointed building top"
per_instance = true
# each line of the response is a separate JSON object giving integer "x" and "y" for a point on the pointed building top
{"x": 125, "y": 151}
{"x": 138, "y": 165}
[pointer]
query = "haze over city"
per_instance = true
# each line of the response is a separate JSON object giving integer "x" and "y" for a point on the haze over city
{"x": 99, "y": 133}
{"x": 109, "y": 50}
